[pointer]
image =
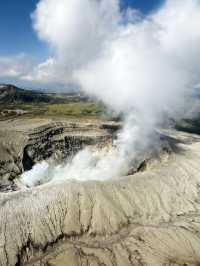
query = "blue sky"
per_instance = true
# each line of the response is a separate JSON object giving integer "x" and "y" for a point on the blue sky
{"x": 16, "y": 31}
{"x": 20, "y": 49}
{"x": 145, "y": 6}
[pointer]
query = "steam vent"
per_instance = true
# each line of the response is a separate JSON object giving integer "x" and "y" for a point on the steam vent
{"x": 149, "y": 217}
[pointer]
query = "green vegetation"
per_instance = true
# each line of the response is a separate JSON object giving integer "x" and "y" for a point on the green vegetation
{"x": 74, "y": 109}
{"x": 17, "y": 102}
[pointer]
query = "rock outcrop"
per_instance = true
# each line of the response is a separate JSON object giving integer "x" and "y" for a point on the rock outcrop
{"x": 150, "y": 218}
{"x": 24, "y": 144}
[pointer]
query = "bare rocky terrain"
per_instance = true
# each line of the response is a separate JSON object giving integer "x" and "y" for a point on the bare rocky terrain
{"x": 149, "y": 218}
{"x": 24, "y": 142}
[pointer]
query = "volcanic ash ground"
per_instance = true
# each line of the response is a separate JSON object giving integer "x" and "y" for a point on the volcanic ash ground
{"x": 149, "y": 218}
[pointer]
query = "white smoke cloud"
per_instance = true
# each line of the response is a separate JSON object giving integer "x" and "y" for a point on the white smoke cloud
{"x": 75, "y": 30}
{"x": 129, "y": 61}
{"x": 145, "y": 67}
{"x": 86, "y": 165}
{"x": 96, "y": 164}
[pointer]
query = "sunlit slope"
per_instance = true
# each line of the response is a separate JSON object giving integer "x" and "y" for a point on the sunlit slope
{"x": 151, "y": 218}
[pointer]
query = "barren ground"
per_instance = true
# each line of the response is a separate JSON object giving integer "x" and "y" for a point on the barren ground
{"x": 149, "y": 218}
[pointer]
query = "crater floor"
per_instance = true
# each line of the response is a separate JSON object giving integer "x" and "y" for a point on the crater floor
{"x": 149, "y": 218}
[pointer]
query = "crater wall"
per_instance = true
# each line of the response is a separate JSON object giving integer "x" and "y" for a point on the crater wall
{"x": 151, "y": 218}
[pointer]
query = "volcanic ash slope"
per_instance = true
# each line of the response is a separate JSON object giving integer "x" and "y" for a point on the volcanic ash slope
{"x": 150, "y": 218}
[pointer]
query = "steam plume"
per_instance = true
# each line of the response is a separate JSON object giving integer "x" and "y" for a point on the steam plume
{"x": 146, "y": 67}
{"x": 149, "y": 64}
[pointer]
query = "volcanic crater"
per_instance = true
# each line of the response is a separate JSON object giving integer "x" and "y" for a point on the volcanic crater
{"x": 149, "y": 217}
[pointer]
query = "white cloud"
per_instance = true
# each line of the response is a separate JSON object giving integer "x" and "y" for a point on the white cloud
{"x": 127, "y": 60}
{"x": 15, "y": 66}
{"x": 146, "y": 67}
{"x": 22, "y": 70}
{"x": 75, "y": 29}
{"x": 146, "y": 64}
{"x": 42, "y": 72}
{"x": 122, "y": 57}
{"x": 111, "y": 53}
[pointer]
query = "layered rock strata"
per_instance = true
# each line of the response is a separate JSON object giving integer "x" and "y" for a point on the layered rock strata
{"x": 23, "y": 145}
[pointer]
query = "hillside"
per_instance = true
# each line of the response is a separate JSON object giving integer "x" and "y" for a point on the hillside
{"x": 11, "y": 94}
{"x": 15, "y": 102}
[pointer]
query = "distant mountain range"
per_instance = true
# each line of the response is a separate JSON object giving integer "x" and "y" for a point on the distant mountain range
{"x": 11, "y": 94}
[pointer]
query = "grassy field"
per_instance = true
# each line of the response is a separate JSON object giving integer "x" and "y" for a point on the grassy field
{"x": 80, "y": 109}
{"x": 75, "y": 109}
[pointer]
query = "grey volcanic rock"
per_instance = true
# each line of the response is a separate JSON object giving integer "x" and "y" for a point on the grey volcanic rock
{"x": 64, "y": 138}
{"x": 11, "y": 150}
{"x": 150, "y": 218}
{"x": 25, "y": 142}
